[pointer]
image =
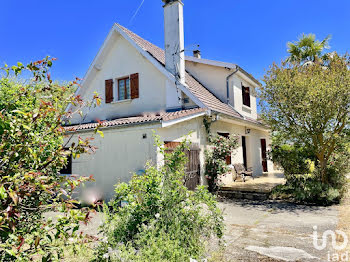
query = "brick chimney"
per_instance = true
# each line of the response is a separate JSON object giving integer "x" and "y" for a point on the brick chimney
{"x": 174, "y": 38}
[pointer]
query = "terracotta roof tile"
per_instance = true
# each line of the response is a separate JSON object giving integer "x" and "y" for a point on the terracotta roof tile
{"x": 194, "y": 86}
{"x": 147, "y": 118}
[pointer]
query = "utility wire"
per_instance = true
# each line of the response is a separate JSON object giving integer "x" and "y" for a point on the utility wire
{"x": 136, "y": 12}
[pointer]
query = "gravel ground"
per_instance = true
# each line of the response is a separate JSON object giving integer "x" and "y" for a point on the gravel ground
{"x": 281, "y": 231}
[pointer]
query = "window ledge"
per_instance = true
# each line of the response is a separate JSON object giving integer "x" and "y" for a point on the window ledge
{"x": 126, "y": 101}
{"x": 246, "y": 108}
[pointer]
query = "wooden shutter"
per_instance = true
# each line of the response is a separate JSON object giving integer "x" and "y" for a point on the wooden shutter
{"x": 264, "y": 155}
{"x": 109, "y": 90}
{"x": 171, "y": 144}
{"x": 134, "y": 85}
{"x": 246, "y": 96}
{"x": 228, "y": 157}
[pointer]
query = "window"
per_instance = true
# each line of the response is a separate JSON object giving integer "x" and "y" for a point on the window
{"x": 246, "y": 95}
{"x": 228, "y": 157}
{"x": 124, "y": 89}
{"x": 67, "y": 170}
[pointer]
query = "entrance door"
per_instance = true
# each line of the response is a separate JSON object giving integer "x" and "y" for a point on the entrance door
{"x": 244, "y": 147}
{"x": 263, "y": 155}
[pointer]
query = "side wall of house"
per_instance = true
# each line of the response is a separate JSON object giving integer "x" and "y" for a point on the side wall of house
{"x": 124, "y": 151}
{"x": 214, "y": 78}
{"x": 119, "y": 154}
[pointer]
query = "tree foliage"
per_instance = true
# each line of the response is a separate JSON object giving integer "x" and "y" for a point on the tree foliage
{"x": 308, "y": 49}
{"x": 32, "y": 153}
{"x": 310, "y": 105}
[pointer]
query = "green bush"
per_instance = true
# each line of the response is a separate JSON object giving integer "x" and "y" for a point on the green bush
{"x": 307, "y": 189}
{"x": 155, "y": 217}
{"x": 292, "y": 158}
{"x": 31, "y": 157}
{"x": 304, "y": 180}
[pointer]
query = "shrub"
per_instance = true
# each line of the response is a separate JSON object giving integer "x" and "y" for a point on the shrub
{"x": 292, "y": 158}
{"x": 31, "y": 156}
{"x": 155, "y": 217}
{"x": 307, "y": 189}
{"x": 304, "y": 183}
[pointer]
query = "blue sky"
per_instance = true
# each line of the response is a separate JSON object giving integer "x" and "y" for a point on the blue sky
{"x": 252, "y": 34}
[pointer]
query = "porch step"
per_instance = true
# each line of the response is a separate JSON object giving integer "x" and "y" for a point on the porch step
{"x": 235, "y": 194}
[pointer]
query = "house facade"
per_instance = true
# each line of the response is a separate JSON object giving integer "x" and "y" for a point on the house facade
{"x": 148, "y": 90}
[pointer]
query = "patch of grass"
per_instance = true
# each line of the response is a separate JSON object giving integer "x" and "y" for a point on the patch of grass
{"x": 84, "y": 252}
{"x": 344, "y": 217}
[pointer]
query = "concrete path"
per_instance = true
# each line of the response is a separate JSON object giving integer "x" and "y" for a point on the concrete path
{"x": 273, "y": 231}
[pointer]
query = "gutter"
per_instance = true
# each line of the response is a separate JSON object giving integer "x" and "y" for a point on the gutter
{"x": 244, "y": 122}
{"x": 228, "y": 84}
{"x": 166, "y": 123}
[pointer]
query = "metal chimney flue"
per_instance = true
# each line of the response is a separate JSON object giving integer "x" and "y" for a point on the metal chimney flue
{"x": 197, "y": 53}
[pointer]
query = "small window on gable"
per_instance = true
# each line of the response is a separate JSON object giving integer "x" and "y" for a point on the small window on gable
{"x": 124, "y": 89}
{"x": 246, "y": 95}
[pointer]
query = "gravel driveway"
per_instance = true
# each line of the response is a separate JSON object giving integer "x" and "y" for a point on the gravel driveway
{"x": 256, "y": 230}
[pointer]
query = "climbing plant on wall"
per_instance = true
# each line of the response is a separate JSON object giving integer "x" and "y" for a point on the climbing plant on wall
{"x": 215, "y": 156}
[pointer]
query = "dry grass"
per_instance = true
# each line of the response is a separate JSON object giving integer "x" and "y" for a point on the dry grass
{"x": 344, "y": 218}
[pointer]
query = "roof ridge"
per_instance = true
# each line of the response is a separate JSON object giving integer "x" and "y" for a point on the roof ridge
{"x": 194, "y": 86}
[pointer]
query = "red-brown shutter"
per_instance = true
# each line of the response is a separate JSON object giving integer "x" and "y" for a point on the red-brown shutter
{"x": 171, "y": 145}
{"x": 109, "y": 90}
{"x": 134, "y": 85}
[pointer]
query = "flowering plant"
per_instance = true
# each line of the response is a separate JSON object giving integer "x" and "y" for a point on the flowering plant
{"x": 215, "y": 158}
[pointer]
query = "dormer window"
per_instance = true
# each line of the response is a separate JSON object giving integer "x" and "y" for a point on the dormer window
{"x": 246, "y": 95}
{"x": 124, "y": 89}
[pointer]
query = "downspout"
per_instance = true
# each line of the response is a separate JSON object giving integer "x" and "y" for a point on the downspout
{"x": 228, "y": 84}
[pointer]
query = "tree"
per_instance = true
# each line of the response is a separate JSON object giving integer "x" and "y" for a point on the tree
{"x": 308, "y": 49}
{"x": 32, "y": 154}
{"x": 310, "y": 105}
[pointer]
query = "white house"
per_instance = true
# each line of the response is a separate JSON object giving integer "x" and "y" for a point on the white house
{"x": 146, "y": 88}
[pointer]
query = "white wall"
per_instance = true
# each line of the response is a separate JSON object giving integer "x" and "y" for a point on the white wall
{"x": 121, "y": 59}
{"x": 192, "y": 129}
{"x": 214, "y": 78}
{"x": 121, "y": 152}
{"x": 236, "y": 97}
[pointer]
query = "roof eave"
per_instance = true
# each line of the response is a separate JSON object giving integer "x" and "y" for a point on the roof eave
{"x": 244, "y": 122}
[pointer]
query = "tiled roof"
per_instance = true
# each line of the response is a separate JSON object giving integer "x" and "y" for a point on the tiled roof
{"x": 147, "y": 118}
{"x": 194, "y": 86}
